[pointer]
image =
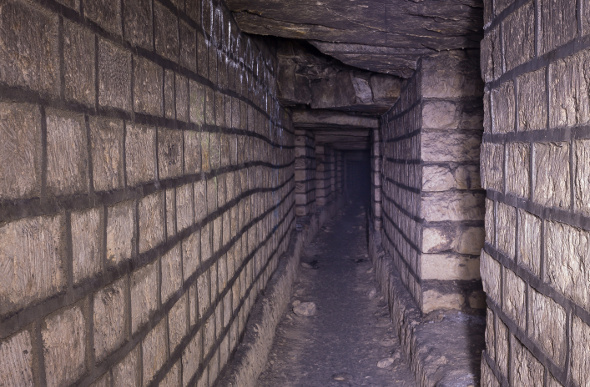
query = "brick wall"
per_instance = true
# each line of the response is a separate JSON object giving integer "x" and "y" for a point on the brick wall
{"x": 432, "y": 200}
{"x": 305, "y": 171}
{"x": 148, "y": 189}
{"x": 535, "y": 154}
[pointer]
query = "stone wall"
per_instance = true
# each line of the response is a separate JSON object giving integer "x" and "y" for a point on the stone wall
{"x": 433, "y": 206}
{"x": 535, "y": 156}
{"x": 305, "y": 170}
{"x": 147, "y": 189}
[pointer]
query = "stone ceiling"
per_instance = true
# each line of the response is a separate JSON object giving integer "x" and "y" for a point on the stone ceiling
{"x": 353, "y": 54}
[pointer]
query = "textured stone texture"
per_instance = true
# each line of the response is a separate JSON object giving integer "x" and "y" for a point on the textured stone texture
{"x": 64, "y": 346}
{"x": 503, "y": 111}
{"x": 556, "y": 24}
{"x": 105, "y": 13}
{"x": 87, "y": 244}
{"x": 582, "y": 176}
{"x": 166, "y": 32}
{"x": 450, "y": 146}
{"x": 170, "y": 153}
{"x": 29, "y": 48}
{"x": 515, "y": 293}
{"x": 114, "y": 76}
{"x": 517, "y": 169}
{"x": 140, "y": 152}
{"x": 20, "y": 150}
{"x": 144, "y": 294}
{"x": 67, "y": 156}
{"x": 506, "y": 229}
{"x": 106, "y": 137}
{"x": 154, "y": 351}
{"x": 566, "y": 251}
{"x": 178, "y": 322}
{"x": 579, "y": 360}
{"x": 151, "y": 221}
{"x": 527, "y": 369}
{"x": 547, "y": 325}
{"x": 449, "y": 267}
{"x": 458, "y": 206}
{"x": 490, "y": 274}
{"x": 32, "y": 266}
{"x": 171, "y": 266}
{"x": 109, "y": 318}
{"x": 519, "y": 36}
{"x": 552, "y": 180}
{"x": 16, "y": 353}
{"x": 120, "y": 232}
{"x": 532, "y": 104}
{"x": 529, "y": 241}
{"x": 569, "y": 104}
{"x": 79, "y": 72}
{"x": 147, "y": 82}
{"x": 492, "y": 176}
{"x": 126, "y": 372}
{"x": 138, "y": 22}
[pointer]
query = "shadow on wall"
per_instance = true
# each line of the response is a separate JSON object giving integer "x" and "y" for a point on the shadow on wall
{"x": 357, "y": 172}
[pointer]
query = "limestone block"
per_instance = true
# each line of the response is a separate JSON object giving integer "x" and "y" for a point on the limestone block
{"x": 106, "y": 138}
{"x": 490, "y": 335}
{"x": 170, "y": 153}
{"x": 514, "y": 302}
{"x": 552, "y": 174}
{"x": 463, "y": 240}
{"x": 151, "y": 221}
{"x": 192, "y": 152}
{"x": 127, "y": 372}
{"x": 517, "y": 169}
{"x": 490, "y": 222}
{"x": 16, "y": 352}
{"x": 140, "y": 152}
{"x": 452, "y": 115}
{"x": 172, "y": 378}
{"x": 64, "y": 346}
{"x": 138, "y": 22}
{"x": 450, "y": 75}
{"x": 29, "y": 48}
{"x": 491, "y": 55}
{"x": 433, "y": 300}
{"x": 191, "y": 357}
{"x": 32, "y": 266}
{"x": 20, "y": 150}
{"x": 582, "y": 176}
{"x": 154, "y": 351}
{"x": 171, "y": 212}
{"x": 86, "y": 244}
{"x": 166, "y": 32}
{"x": 449, "y": 267}
{"x": 556, "y": 26}
{"x": 177, "y": 322}
{"x": 67, "y": 156}
{"x": 506, "y": 228}
{"x": 491, "y": 275}
{"x": 188, "y": 46}
{"x": 503, "y": 112}
{"x": 492, "y": 166}
{"x": 105, "y": 13}
{"x": 453, "y": 206}
{"x": 443, "y": 178}
{"x": 532, "y": 101}
{"x": 109, "y": 318}
{"x": 519, "y": 36}
{"x": 441, "y": 145}
{"x": 144, "y": 295}
{"x": 526, "y": 369}
{"x": 529, "y": 241}
{"x": 148, "y": 81}
{"x": 200, "y": 196}
{"x": 569, "y": 104}
{"x": 120, "y": 232}
{"x": 114, "y": 76}
{"x": 203, "y": 291}
{"x": 184, "y": 206}
{"x": 567, "y": 251}
{"x": 547, "y": 326}
{"x": 487, "y": 376}
{"x": 171, "y": 273}
{"x": 487, "y": 113}
{"x": 580, "y": 361}
{"x": 79, "y": 71}
{"x": 502, "y": 346}
{"x": 169, "y": 94}
{"x": 182, "y": 98}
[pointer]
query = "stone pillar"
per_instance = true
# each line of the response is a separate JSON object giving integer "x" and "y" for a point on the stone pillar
{"x": 376, "y": 178}
{"x": 321, "y": 194}
{"x": 432, "y": 201}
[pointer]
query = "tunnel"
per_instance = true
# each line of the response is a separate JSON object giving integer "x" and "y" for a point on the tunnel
{"x": 178, "y": 177}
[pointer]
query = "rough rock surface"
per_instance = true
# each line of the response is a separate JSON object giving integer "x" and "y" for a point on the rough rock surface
{"x": 385, "y": 37}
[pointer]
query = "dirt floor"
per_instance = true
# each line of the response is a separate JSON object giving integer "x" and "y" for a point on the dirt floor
{"x": 349, "y": 340}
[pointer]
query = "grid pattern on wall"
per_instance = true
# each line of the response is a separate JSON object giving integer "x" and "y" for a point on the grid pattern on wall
{"x": 148, "y": 189}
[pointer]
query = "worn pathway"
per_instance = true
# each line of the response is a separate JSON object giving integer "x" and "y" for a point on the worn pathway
{"x": 350, "y": 333}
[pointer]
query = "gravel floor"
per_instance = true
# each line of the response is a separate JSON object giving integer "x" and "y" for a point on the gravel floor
{"x": 349, "y": 339}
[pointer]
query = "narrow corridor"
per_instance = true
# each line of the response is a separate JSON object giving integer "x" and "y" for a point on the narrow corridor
{"x": 351, "y": 332}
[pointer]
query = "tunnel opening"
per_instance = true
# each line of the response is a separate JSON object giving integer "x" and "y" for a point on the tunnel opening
{"x": 357, "y": 184}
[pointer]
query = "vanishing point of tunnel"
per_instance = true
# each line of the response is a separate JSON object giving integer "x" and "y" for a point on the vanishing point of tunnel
{"x": 310, "y": 193}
